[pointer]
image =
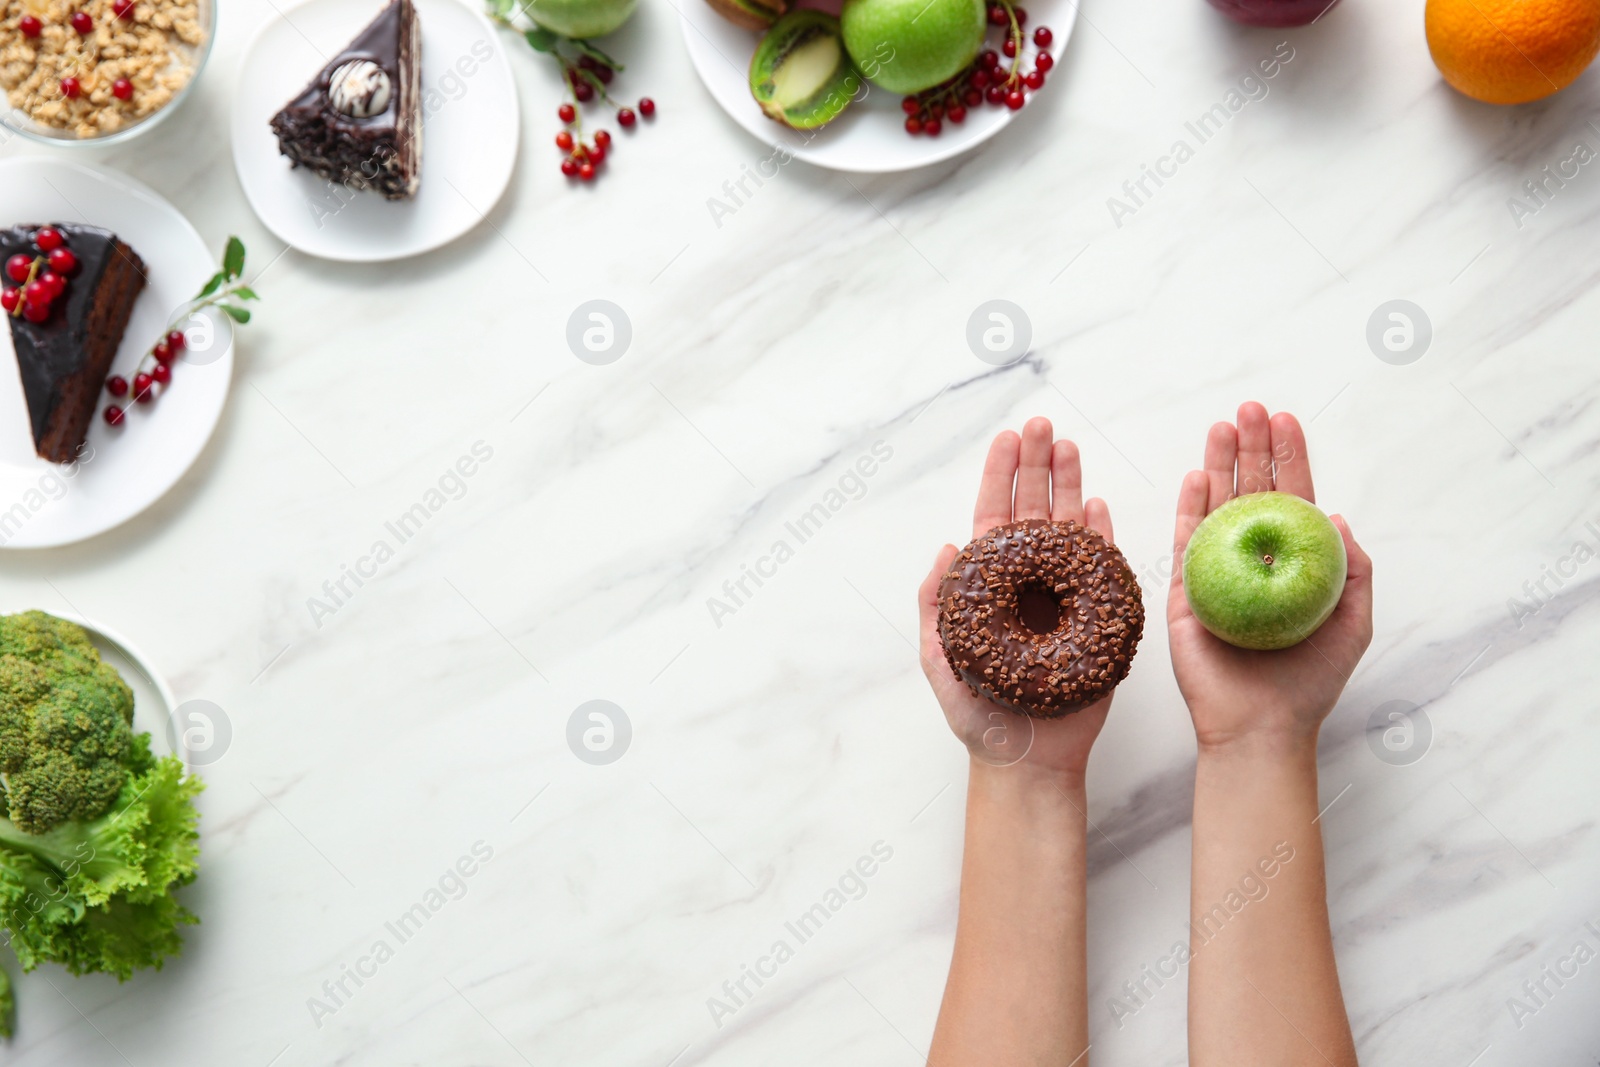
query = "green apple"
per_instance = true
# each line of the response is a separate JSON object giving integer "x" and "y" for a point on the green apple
{"x": 581, "y": 18}
{"x": 906, "y": 46}
{"x": 1264, "y": 570}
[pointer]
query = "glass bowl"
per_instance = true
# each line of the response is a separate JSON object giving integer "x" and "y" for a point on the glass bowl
{"x": 14, "y": 120}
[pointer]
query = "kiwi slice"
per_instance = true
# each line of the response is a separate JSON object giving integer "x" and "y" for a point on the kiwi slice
{"x": 750, "y": 14}
{"x": 801, "y": 75}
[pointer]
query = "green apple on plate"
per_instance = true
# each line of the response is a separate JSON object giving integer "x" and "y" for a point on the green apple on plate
{"x": 1264, "y": 570}
{"x": 906, "y": 46}
{"x": 581, "y": 18}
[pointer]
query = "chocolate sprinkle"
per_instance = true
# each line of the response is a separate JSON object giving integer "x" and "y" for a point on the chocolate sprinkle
{"x": 1042, "y": 674}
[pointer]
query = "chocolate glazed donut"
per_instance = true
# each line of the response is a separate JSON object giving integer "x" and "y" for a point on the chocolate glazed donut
{"x": 1041, "y": 617}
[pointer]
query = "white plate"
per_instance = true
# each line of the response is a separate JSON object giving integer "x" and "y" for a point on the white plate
{"x": 469, "y": 143}
{"x": 869, "y": 137}
{"x": 123, "y": 469}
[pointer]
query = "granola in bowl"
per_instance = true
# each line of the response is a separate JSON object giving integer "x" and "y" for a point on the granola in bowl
{"x": 89, "y": 69}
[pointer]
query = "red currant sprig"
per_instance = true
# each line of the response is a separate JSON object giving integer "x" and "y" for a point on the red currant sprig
{"x": 155, "y": 368}
{"x": 41, "y": 279}
{"x": 585, "y": 78}
{"x": 586, "y": 74}
{"x": 990, "y": 79}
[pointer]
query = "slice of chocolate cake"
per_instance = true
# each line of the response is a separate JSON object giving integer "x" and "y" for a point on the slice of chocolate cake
{"x": 68, "y": 293}
{"x": 359, "y": 122}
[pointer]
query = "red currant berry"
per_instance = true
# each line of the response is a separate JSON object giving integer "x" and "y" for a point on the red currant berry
{"x": 18, "y": 267}
{"x": 113, "y": 415}
{"x": 989, "y": 59}
{"x": 1033, "y": 80}
{"x": 82, "y": 23}
{"x": 602, "y": 138}
{"x": 1022, "y": 15}
{"x": 37, "y": 292}
{"x": 587, "y": 62}
{"x": 117, "y": 385}
{"x": 567, "y": 112}
{"x": 980, "y": 79}
{"x": 123, "y": 9}
{"x": 48, "y": 239}
{"x": 626, "y": 118}
{"x": 162, "y": 373}
{"x": 586, "y": 172}
{"x": 647, "y": 107}
{"x": 141, "y": 388}
{"x": 913, "y": 125}
{"x": 122, "y": 89}
{"x": 70, "y": 88}
{"x": 30, "y": 26}
{"x": 605, "y": 74}
{"x": 53, "y": 282}
{"x": 564, "y": 141}
{"x": 1009, "y": 47}
{"x": 995, "y": 94}
{"x": 162, "y": 351}
{"x": 911, "y": 105}
{"x": 998, "y": 16}
{"x": 1042, "y": 37}
{"x": 1015, "y": 100}
{"x": 176, "y": 341}
{"x": 957, "y": 114}
{"x": 932, "y": 127}
{"x": 973, "y": 98}
{"x": 62, "y": 261}
{"x": 1043, "y": 61}
{"x": 583, "y": 91}
{"x": 597, "y": 154}
{"x": 569, "y": 167}
{"x": 35, "y": 313}
{"x": 10, "y": 299}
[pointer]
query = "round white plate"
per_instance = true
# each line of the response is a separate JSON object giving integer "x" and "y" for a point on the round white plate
{"x": 469, "y": 143}
{"x": 121, "y": 470}
{"x": 869, "y": 137}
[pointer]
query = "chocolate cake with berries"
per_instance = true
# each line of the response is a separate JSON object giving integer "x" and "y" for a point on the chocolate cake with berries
{"x": 68, "y": 293}
{"x": 359, "y": 122}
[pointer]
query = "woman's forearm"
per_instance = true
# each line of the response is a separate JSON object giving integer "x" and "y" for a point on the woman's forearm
{"x": 1263, "y": 988}
{"x": 1017, "y": 992}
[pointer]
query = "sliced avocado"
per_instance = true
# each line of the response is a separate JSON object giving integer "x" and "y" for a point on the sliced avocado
{"x": 800, "y": 74}
{"x": 750, "y": 14}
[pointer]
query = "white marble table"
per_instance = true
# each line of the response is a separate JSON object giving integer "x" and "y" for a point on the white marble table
{"x": 776, "y": 745}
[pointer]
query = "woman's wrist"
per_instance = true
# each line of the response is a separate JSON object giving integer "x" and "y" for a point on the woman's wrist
{"x": 1025, "y": 777}
{"x": 1273, "y": 743}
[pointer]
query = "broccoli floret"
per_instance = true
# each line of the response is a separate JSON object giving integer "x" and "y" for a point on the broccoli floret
{"x": 66, "y": 723}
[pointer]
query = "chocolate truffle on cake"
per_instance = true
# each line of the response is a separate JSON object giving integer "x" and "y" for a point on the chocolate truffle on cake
{"x": 1041, "y": 617}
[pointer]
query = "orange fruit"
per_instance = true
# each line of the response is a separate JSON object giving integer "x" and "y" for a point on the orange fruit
{"x": 1512, "y": 51}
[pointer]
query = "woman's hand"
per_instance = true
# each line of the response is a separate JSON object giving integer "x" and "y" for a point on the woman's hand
{"x": 1236, "y": 694}
{"x": 1027, "y": 477}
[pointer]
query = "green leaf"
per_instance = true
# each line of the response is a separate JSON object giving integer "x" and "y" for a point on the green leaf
{"x": 239, "y": 315}
{"x": 594, "y": 53}
{"x": 244, "y": 292}
{"x": 541, "y": 39}
{"x": 213, "y": 285}
{"x": 233, "y": 258}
